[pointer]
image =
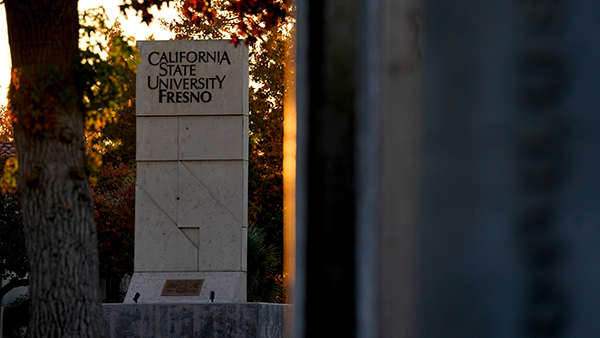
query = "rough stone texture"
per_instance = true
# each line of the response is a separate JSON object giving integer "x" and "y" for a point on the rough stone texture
{"x": 241, "y": 320}
{"x": 229, "y": 287}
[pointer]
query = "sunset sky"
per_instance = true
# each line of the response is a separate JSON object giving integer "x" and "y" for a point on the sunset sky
{"x": 132, "y": 27}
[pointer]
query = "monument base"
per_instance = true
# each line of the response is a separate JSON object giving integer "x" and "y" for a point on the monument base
{"x": 240, "y": 320}
{"x": 228, "y": 287}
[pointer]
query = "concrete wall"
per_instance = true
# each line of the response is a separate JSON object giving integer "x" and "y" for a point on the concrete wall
{"x": 243, "y": 320}
{"x": 447, "y": 168}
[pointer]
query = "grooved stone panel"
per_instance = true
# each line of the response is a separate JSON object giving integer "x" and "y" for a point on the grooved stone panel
{"x": 159, "y": 181}
{"x": 159, "y": 244}
{"x": 215, "y": 186}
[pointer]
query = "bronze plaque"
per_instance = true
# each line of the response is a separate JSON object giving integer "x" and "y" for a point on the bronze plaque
{"x": 182, "y": 287}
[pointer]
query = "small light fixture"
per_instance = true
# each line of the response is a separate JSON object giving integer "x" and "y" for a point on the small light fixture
{"x": 212, "y": 296}
{"x": 136, "y": 297}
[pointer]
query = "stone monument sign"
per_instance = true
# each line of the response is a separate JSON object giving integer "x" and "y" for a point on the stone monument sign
{"x": 192, "y": 165}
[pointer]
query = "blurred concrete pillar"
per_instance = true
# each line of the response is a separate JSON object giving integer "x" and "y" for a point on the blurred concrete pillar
{"x": 448, "y": 177}
{"x": 399, "y": 164}
{"x": 469, "y": 274}
{"x": 326, "y": 214}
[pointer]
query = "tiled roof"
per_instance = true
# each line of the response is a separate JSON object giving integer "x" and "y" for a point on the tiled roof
{"x": 7, "y": 149}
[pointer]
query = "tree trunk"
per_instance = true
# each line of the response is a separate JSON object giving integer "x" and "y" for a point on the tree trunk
{"x": 54, "y": 192}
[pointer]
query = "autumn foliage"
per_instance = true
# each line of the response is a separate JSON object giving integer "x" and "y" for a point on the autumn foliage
{"x": 114, "y": 211}
{"x": 253, "y": 18}
{"x": 6, "y": 130}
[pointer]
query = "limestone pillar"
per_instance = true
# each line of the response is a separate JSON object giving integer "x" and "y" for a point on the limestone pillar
{"x": 192, "y": 169}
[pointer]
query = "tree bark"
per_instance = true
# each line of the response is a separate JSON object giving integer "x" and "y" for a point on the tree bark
{"x": 54, "y": 192}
